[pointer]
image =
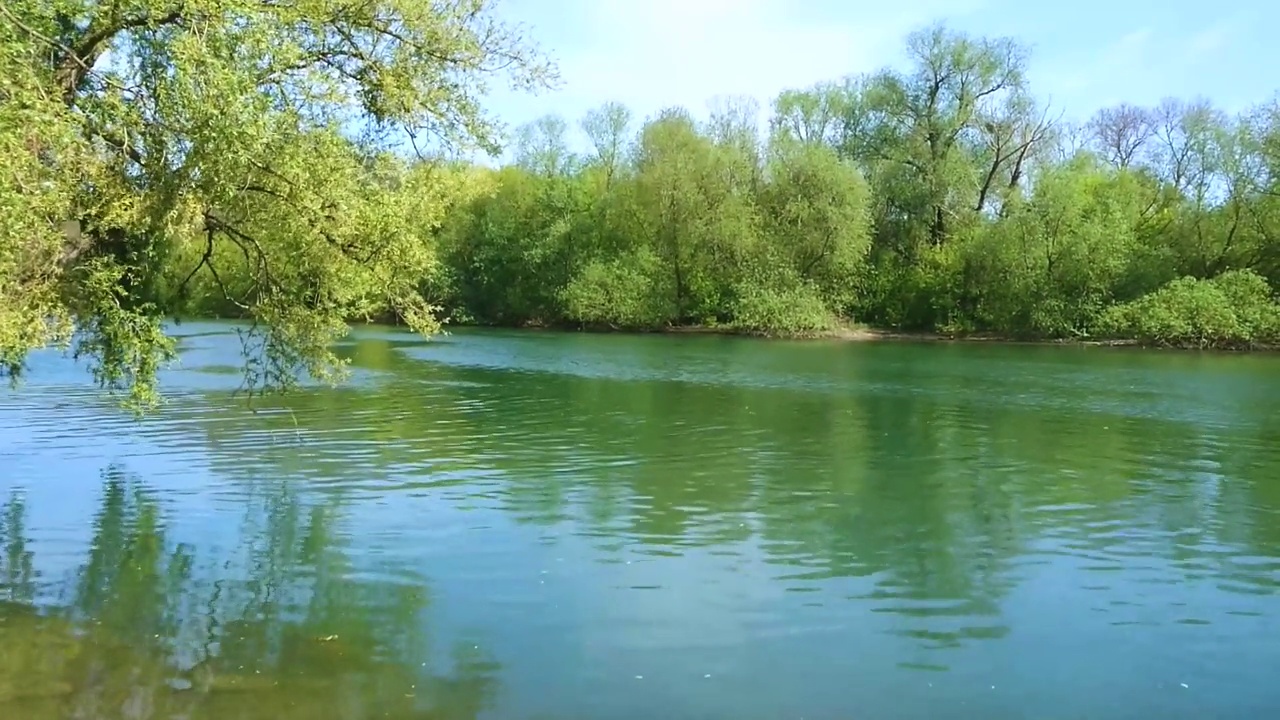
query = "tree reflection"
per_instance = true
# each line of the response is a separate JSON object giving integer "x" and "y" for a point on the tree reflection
{"x": 17, "y": 572}
{"x": 919, "y": 469}
{"x": 275, "y": 627}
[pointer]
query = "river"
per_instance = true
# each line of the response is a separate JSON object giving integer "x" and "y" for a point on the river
{"x": 546, "y": 525}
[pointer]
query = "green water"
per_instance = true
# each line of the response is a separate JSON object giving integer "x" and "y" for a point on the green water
{"x": 506, "y": 525}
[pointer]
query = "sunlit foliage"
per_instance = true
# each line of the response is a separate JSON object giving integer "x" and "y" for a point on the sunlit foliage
{"x": 235, "y": 152}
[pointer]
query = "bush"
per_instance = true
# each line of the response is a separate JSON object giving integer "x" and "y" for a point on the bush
{"x": 1233, "y": 310}
{"x": 625, "y": 293}
{"x": 1251, "y": 297}
{"x": 795, "y": 310}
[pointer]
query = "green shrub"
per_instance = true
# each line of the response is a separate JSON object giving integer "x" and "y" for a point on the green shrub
{"x": 1251, "y": 297}
{"x": 794, "y": 310}
{"x": 626, "y": 293}
{"x": 1233, "y": 310}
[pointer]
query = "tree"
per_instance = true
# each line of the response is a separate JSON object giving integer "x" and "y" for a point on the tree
{"x": 250, "y": 137}
{"x": 1056, "y": 261}
{"x": 1263, "y": 124}
{"x": 606, "y": 127}
{"x": 812, "y": 116}
{"x": 543, "y": 148}
{"x": 1011, "y": 134}
{"x": 1120, "y": 132}
{"x": 919, "y": 128}
{"x": 679, "y": 188}
{"x": 512, "y": 251}
{"x": 734, "y": 128}
{"x": 1183, "y": 133}
{"x": 815, "y": 209}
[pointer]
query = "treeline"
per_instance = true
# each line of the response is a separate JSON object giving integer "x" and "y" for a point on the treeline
{"x": 244, "y": 161}
{"x": 944, "y": 198}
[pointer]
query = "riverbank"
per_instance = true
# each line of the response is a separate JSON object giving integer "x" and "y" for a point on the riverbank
{"x": 865, "y": 333}
{"x": 846, "y": 332}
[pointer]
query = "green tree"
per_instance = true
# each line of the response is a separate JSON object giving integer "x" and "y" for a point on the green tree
{"x": 606, "y": 128}
{"x": 813, "y": 116}
{"x": 140, "y": 131}
{"x": 916, "y": 130}
{"x": 683, "y": 190}
{"x": 1057, "y": 259}
{"x": 513, "y": 250}
{"x": 815, "y": 209}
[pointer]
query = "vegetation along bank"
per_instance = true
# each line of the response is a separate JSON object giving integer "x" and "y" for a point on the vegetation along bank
{"x": 297, "y": 165}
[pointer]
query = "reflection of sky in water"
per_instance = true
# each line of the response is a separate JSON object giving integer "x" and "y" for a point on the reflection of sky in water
{"x": 726, "y": 616}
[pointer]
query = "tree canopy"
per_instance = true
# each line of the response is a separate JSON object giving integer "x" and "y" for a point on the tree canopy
{"x": 151, "y": 146}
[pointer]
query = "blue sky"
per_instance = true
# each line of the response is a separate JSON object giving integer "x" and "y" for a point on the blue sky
{"x": 1086, "y": 54}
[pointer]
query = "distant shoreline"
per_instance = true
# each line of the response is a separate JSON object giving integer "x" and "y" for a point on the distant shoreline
{"x": 844, "y": 333}
{"x": 858, "y": 333}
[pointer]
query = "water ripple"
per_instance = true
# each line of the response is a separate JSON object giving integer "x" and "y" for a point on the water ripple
{"x": 576, "y": 511}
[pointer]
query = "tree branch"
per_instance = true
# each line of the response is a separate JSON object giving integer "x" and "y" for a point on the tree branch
{"x": 78, "y": 60}
{"x": 204, "y": 260}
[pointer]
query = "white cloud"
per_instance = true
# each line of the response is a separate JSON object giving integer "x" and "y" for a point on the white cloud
{"x": 1211, "y": 39}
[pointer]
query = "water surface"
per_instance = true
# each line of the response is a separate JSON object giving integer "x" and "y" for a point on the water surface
{"x": 542, "y": 525}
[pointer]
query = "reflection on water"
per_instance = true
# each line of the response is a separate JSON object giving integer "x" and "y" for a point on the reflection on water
{"x": 148, "y": 628}
{"x": 547, "y": 525}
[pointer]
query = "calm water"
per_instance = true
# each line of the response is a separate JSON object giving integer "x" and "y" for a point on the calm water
{"x": 506, "y": 525}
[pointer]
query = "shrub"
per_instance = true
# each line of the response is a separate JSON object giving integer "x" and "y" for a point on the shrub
{"x": 794, "y": 310}
{"x": 626, "y": 292}
{"x": 1233, "y": 310}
